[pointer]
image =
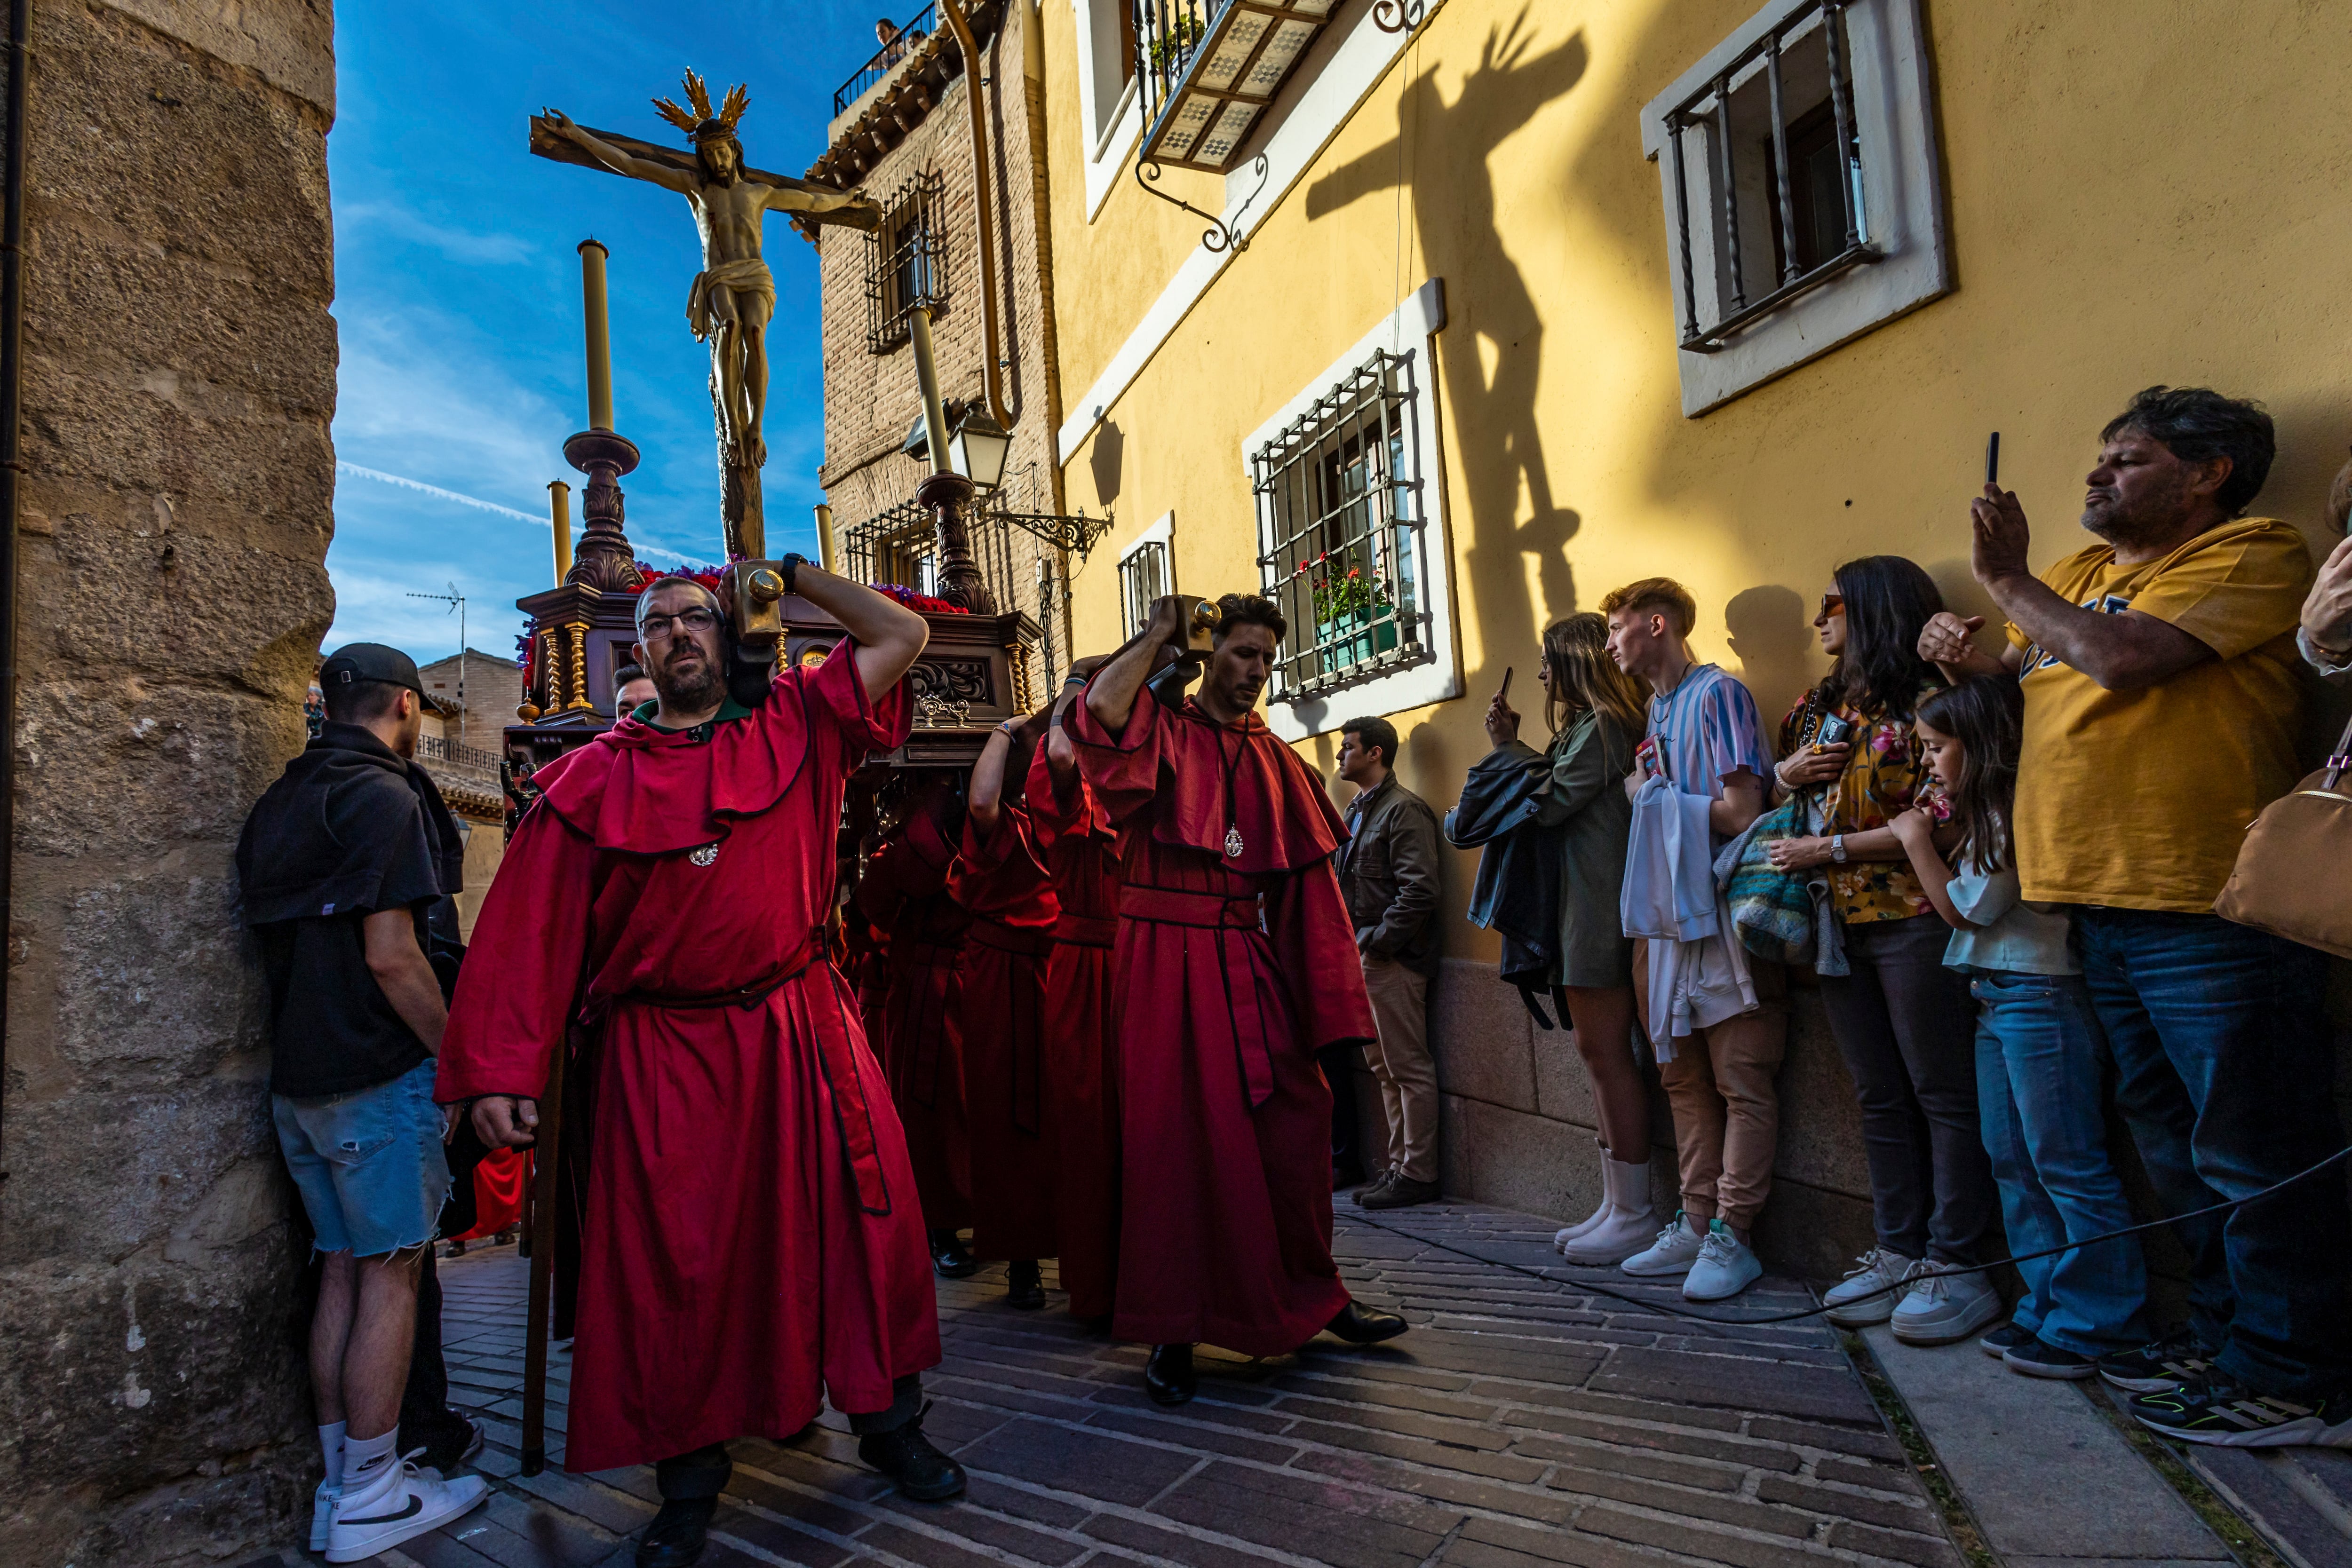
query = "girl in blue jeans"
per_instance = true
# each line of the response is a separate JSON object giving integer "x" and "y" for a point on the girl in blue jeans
{"x": 2042, "y": 1059}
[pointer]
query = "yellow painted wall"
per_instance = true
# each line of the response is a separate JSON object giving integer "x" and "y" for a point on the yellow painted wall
{"x": 2155, "y": 191}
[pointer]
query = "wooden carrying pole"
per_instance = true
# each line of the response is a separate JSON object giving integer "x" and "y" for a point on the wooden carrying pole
{"x": 547, "y": 1163}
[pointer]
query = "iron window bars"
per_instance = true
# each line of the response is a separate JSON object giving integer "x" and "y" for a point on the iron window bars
{"x": 918, "y": 28}
{"x": 1207, "y": 68}
{"x": 1143, "y": 580}
{"x": 1339, "y": 517}
{"x": 1813, "y": 193}
{"x": 905, "y": 261}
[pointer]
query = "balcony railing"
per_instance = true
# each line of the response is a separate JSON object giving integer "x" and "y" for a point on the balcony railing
{"x": 916, "y": 27}
{"x": 1207, "y": 68}
{"x": 456, "y": 756}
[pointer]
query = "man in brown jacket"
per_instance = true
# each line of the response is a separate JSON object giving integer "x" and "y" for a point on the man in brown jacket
{"x": 1388, "y": 874}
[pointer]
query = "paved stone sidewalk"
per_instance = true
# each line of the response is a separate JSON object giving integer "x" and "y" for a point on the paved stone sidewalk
{"x": 1521, "y": 1424}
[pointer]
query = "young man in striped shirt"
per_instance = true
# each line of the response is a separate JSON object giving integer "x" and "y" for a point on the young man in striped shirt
{"x": 1719, "y": 1026}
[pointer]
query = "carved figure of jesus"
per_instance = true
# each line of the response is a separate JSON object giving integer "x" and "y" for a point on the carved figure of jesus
{"x": 734, "y": 294}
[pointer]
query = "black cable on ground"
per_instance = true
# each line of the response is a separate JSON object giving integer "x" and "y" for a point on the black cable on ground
{"x": 1588, "y": 1287}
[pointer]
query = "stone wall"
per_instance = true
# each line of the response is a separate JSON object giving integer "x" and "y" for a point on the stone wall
{"x": 871, "y": 398}
{"x": 179, "y": 379}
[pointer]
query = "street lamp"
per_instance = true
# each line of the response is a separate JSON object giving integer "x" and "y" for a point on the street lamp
{"x": 977, "y": 447}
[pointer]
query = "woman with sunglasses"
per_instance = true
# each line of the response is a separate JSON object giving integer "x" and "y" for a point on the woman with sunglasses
{"x": 1905, "y": 1024}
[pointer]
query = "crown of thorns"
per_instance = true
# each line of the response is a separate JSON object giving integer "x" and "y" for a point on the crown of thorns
{"x": 702, "y": 122}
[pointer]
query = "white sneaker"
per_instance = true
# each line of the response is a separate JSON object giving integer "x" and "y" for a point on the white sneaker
{"x": 1942, "y": 1307}
{"x": 378, "y": 1513}
{"x": 323, "y": 1514}
{"x": 1871, "y": 1288}
{"x": 1670, "y": 1257}
{"x": 1631, "y": 1224}
{"x": 1725, "y": 1267}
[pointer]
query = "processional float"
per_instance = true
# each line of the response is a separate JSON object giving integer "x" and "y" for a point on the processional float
{"x": 972, "y": 674}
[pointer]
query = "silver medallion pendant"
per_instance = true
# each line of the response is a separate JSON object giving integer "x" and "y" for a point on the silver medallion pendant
{"x": 705, "y": 855}
{"x": 1233, "y": 843}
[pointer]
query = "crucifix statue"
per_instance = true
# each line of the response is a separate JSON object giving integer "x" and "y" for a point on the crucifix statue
{"x": 734, "y": 294}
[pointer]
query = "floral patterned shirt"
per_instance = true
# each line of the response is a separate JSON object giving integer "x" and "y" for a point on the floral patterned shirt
{"x": 1885, "y": 775}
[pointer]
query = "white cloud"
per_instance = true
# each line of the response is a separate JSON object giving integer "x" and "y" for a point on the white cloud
{"x": 436, "y": 491}
{"x": 457, "y": 244}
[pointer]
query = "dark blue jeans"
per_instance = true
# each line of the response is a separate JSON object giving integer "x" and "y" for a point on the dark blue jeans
{"x": 2225, "y": 1073}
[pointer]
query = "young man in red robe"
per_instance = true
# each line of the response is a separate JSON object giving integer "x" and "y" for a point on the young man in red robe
{"x": 1081, "y": 855}
{"x": 1235, "y": 965}
{"x": 752, "y": 1241}
{"x": 1000, "y": 881}
{"x": 904, "y": 893}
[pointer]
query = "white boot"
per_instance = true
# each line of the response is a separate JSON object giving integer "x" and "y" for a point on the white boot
{"x": 1599, "y": 1216}
{"x": 1632, "y": 1225}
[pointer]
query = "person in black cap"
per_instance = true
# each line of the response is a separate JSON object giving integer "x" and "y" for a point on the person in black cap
{"x": 342, "y": 865}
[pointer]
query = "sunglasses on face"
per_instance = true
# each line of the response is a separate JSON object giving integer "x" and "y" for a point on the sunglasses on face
{"x": 1831, "y": 604}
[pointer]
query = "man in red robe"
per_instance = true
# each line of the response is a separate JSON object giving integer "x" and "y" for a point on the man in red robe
{"x": 1081, "y": 853}
{"x": 1235, "y": 965}
{"x": 751, "y": 1238}
{"x": 1000, "y": 881}
{"x": 904, "y": 893}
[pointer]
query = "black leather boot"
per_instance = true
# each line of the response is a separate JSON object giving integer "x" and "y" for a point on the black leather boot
{"x": 1359, "y": 1325}
{"x": 906, "y": 1457}
{"x": 948, "y": 1257}
{"x": 1024, "y": 1285}
{"x": 1168, "y": 1376}
{"x": 675, "y": 1537}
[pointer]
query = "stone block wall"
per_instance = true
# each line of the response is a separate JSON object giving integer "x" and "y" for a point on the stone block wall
{"x": 870, "y": 399}
{"x": 179, "y": 378}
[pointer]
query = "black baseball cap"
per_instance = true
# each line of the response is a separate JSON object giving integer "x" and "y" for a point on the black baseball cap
{"x": 356, "y": 661}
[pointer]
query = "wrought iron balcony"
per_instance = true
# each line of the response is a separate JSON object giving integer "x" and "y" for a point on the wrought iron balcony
{"x": 1207, "y": 69}
{"x": 916, "y": 28}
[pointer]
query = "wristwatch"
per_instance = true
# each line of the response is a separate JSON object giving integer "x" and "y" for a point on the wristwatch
{"x": 1837, "y": 848}
{"x": 792, "y": 565}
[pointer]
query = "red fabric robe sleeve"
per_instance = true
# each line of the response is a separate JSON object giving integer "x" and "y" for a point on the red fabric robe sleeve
{"x": 523, "y": 975}
{"x": 1314, "y": 945}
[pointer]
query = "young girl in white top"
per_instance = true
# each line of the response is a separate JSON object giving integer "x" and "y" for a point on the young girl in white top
{"x": 2041, "y": 1056}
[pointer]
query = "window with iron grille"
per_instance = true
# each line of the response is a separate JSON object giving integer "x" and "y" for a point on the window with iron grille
{"x": 895, "y": 545}
{"x": 1145, "y": 575}
{"x": 1339, "y": 527}
{"x": 1802, "y": 205}
{"x": 906, "y": 261}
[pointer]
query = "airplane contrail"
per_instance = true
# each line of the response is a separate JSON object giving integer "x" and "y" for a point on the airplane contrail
{"x": 381, "y": 478}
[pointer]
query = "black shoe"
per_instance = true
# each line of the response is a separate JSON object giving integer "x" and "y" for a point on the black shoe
{"x": 2171, "y": 1362}
{"x": 1168, "y": 1376}
{"x": 906, "y": 1457}
{"x": 2039, "y": 1358}
{"x": 950, "y": 1257}
{"x": 1024, "y": 1286}
{"x": 2214, "y": 1411}
{"x": 675, "y": 1538}
{"x": 1359, "y": 1326}
{"x": 1998, "y": 1343}
{"x": 1399, "y": 1192}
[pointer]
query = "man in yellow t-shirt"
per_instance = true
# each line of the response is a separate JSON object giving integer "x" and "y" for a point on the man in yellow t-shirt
{"x": 2162, "y": 710}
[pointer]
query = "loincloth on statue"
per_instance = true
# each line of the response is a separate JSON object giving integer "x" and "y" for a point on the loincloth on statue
{"x": 746, "y": 275}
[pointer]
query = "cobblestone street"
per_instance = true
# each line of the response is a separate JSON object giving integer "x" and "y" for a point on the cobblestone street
{"x": 1521, "y": 1423}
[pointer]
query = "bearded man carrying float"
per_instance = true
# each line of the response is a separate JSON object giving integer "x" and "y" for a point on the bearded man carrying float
{"x": 752, "y": 1238}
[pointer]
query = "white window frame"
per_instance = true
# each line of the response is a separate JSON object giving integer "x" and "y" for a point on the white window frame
{"x": 1902, "y": 180}
{"x": 1408, "y": 332}
{"x": 1162, "y": 533}
{"x": 1110, "y": 104}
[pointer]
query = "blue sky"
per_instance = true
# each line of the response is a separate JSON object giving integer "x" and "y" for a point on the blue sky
{"x": 457, "y": 289}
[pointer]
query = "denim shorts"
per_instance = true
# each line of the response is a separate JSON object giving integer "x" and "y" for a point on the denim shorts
{"x": 369, "y": 1163}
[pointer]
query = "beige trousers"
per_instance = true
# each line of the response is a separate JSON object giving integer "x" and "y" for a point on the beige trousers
{"x": 1399, "y": 1061}
{"x": 1726, "y": 1105}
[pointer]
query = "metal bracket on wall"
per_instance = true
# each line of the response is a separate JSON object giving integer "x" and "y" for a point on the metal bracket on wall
{"x": 1221, "y": 235}
{"x": 1078, "y": 533}
{"x": 1399, "y": 15}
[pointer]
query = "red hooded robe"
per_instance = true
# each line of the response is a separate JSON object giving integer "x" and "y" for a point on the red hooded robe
{"x": 905, "y": 893}
{"x": 750, "y": 1232}
{"x": 1081, "y": 852}
{"x": 1000, "y": 881}
{"x": 1235, "y": 964}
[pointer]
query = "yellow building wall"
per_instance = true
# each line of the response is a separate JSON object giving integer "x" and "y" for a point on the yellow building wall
{"x": 2150, "y": 193}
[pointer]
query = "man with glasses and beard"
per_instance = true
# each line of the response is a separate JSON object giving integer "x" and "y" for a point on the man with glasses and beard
{"x": 1235, "y": 964}
{"x": 2162, "y": 707}
{"x": 751, "y": 1235}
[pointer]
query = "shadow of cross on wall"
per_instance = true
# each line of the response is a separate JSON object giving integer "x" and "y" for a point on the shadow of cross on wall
{"x": 1441, "y": 151}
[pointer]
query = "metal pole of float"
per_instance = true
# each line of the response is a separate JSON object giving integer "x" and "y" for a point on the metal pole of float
{"x": 945, "y": 492}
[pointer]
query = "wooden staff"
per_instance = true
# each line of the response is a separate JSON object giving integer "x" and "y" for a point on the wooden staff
{"x": 547, "y": 1164}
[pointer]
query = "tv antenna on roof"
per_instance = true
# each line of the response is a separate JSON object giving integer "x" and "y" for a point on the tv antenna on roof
{"x": 457, "y": 604}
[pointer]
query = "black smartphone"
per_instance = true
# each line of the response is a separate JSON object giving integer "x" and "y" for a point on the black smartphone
{"x": 1992, "y": 459}
{"x": 1504, "y": 695}
{"x": 1833, "y": 731}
